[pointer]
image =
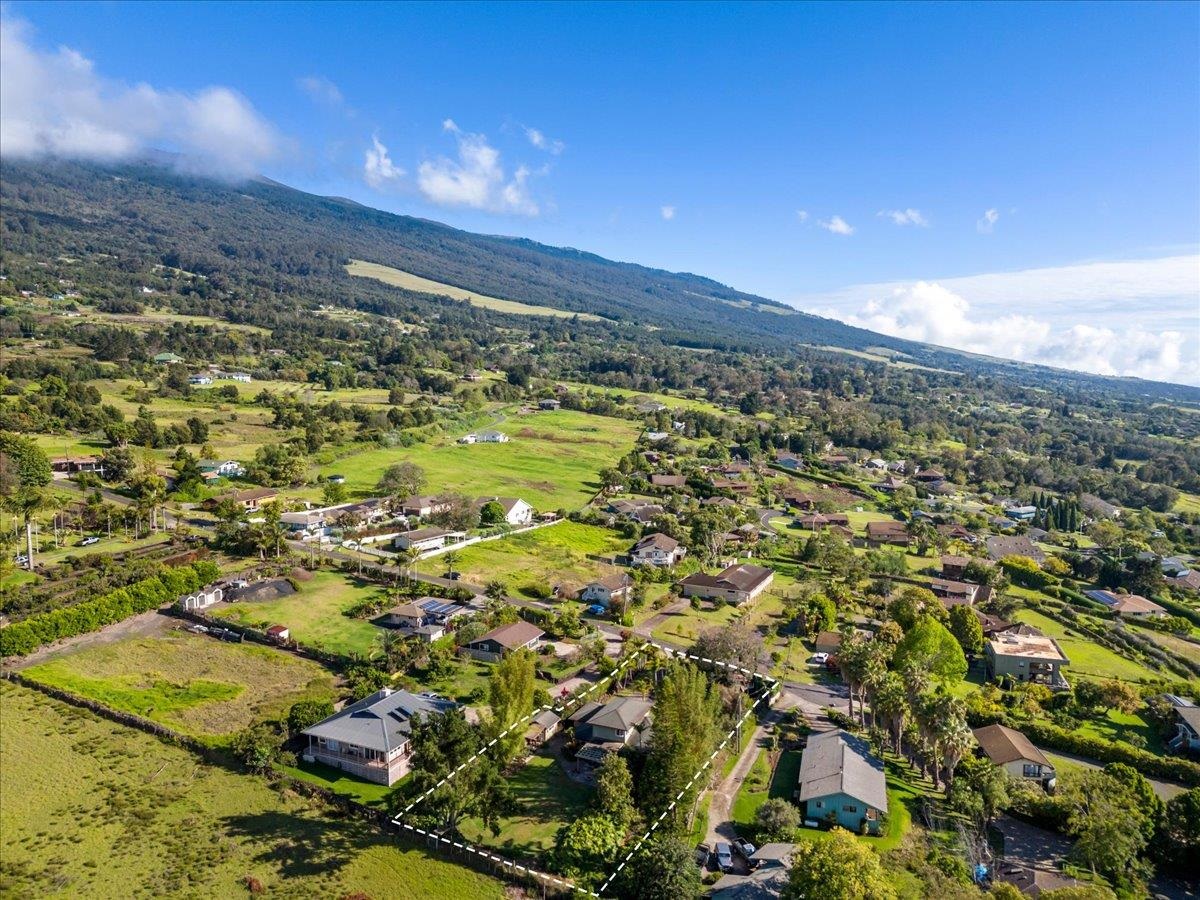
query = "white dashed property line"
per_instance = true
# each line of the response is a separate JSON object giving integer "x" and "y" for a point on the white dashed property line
{"x": 771, "y": 684}
{"x": 673, "y": 803}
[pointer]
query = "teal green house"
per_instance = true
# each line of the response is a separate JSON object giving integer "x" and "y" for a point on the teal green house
{"x": 842, "y": 783}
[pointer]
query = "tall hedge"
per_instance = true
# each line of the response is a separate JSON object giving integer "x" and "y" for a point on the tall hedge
{"x": 90, "y": 615}
{"x": 1049, "y": 735}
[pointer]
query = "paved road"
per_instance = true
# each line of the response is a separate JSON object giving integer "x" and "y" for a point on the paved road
{"x": 1165, "y": 789}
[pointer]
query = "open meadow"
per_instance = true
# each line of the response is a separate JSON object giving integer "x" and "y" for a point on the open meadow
{"x": 551, "y": 459}
{"x": 558, "y": 554}
{"x": 193, "y": 683}
{"x": 314, "y": 614}
{"x": 89, "y": 808}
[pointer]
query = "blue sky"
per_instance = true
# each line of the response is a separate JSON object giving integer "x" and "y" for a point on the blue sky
{"x": 1016, "y": 179}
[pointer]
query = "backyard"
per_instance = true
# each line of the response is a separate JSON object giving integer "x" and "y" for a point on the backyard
{"x": 547, "y": 799}
{"x": 1087, "y": 658}
{"x": 195, "y": 684}
{"x": 89, "y": 808}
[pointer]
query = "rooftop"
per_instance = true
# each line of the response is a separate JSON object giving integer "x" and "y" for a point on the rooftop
{"x": 1004, "y": 745}
{"x": 381, "y": 721}
{"x": 1029, "y": 646}
{"x": 836, "y": 762}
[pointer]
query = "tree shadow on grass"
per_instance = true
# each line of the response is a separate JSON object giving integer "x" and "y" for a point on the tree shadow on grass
{"x": 300, "y": 846}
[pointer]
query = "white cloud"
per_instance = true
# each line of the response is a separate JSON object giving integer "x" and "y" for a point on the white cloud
{"x": 378, "y": 168}
{"x": 1125, "y": 317}
{"x": 539, "y": 140}
{"x": 321, "y": 90}
{"x": 667, "y": 212}
{"x": 802, "y": 215}
{"x": 53, "y": 103}
{"x": 837, "y": 225}
{"x": 908, "y": 216}
{"x": 475, "y": 179}
{"x": 987, "y": 221}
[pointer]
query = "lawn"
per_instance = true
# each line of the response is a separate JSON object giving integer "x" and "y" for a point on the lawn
{"x": 89, "y": 808}
{"x": 762, "y": 784}
{"x": 1087, "y": 658}
{"x": 1187, "y": 503}
{"x": 546, "y": 798}
{"x": 339, "y": 782}
{"x": 1118, "y": 726}
{"x": 410, "y": 282}
{"x": 548, "y": 556}
{"x": 314, "y": 613}
{"x": 195, "y": 684}
{"x": 551, "y": 460}
{"x": 685, "y": 626}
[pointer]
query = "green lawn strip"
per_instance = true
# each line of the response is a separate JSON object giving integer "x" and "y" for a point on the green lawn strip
{"x": 339, "y": 782}
{"x": 1087, "y": 658}
{"x": 315, "y": 613}
{"x": 197, "y": 685}
{"x": 1118, "y": 726}
{"x": 754, "y": 792}
{"x": 546, "y": 800}
{"x": 89, "y": 808}
{"x": 700, "y": 823}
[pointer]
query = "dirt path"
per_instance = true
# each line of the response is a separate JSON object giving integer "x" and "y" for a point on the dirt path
{"x": 720, "y": 807}
{"x": 147, "y": 624}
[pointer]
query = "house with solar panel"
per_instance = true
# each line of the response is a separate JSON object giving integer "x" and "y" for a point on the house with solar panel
{"x": 370, "y": 739}
{"x": 426, "y": 617}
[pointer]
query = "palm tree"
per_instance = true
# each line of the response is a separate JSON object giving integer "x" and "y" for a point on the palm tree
{"x": 891, "y": 702}
{"x": 404, "y": 560}
{"x": 956, "y": 740}
{"x": 26, "y": 503}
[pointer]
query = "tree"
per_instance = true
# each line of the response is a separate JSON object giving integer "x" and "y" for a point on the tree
{"x": 906, "y": 609}
{"x": 307, "y": 713}
{"x": 402, "y": 480}
{"x": 333, "y": 493}
{"x": 966, "y": 628}
{"x": 1108, "y": 826}
{"x": 510, "y": 696}
{"x": 24, "y": 475}
{"x": 837, "y": 867}
{"x": 614, "y": 791}
{"x": 491, "y": 513}
{"x": 777, "y": 820}
{"x": 271, "y": 532}
{"x": 1120, "y": 695}
{"x": 685, "y": 730}
{"x": 663, "y": 869}
{"x": 586, "y": 847}
{"x": 736, "y": 643}
{"x": 930, "y": 646}
{"x": 257, "y": 747}
{"x": 891, "y": 702}
{"x": 1181, "y": 824}
{"x": 1148, "y": 800}
{"x": 440, "y": 743}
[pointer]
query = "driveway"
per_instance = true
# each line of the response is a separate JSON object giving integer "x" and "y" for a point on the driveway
{"x": 147, "y": 624}
{"x": 1165, "y": 789}
{"x": 720, "y": 807}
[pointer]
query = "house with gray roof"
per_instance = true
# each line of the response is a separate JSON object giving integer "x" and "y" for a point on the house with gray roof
{"x": 623, "y": 720}
{"x": 737, "y": 584}
{"x": 370, "y": 738}
{"x": 842, "y": 782}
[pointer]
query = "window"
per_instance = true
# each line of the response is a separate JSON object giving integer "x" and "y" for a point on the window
{"x": 850, "y": 808}
{"x": 819, "y": 804}
{"x": 1032, "y": 770}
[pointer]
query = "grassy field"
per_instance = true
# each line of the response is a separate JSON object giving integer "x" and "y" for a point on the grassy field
{"x": 196, "y": 684}
{"x": 551, "y": 459}
{"x": 314, "y": 613}
{"x": 1087, "y": 658}
{"x": 410, "y": 282}
{"x": 554, "y": 555}
{"x": 547, "y": 800}
{"x": 91, "y": 809}
{"x": 1187, "y": 503}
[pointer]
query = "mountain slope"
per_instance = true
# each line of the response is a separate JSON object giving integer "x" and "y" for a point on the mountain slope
{"x": 264, "y": 235}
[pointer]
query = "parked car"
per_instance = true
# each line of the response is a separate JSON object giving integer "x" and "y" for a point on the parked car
{"x": 88, "y": 541}
{"x": 21, "y": 560}
{"x": 744, "y": 847}
{"x": 820, "y": 658}
{"x": 703, "y": 852}
{"x": 724, "y": 857}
